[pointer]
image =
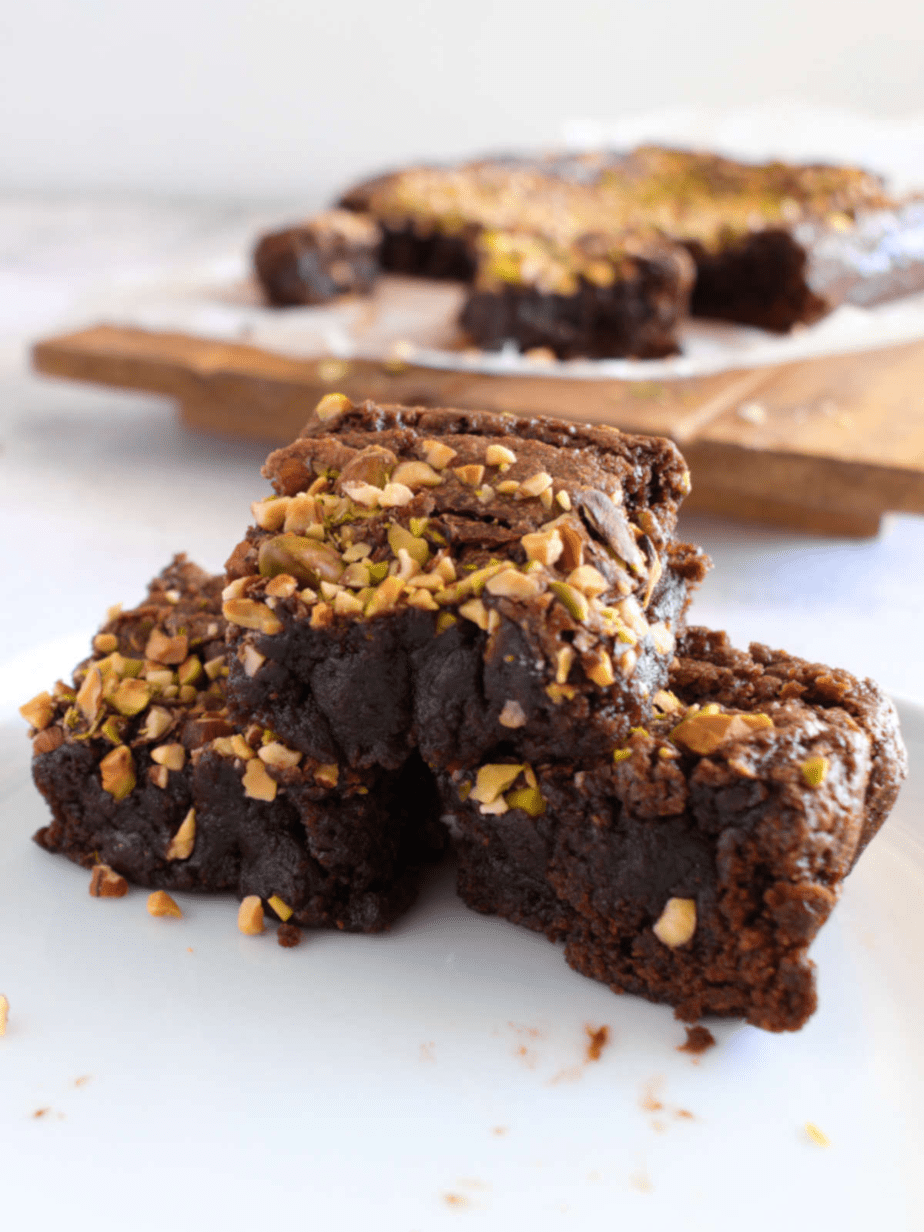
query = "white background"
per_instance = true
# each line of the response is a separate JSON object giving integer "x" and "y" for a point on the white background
{"x": 253, "y": 99}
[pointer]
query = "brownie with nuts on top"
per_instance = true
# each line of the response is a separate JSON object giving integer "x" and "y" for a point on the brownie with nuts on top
{"x": 696, "y": 864}
{"x": 452, "y": 581}
{"x": 330, "y": 254}
{"x": 144, "y": 772}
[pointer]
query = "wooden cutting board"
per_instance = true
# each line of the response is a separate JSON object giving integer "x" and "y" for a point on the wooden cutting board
{"x": 825, "y": 445}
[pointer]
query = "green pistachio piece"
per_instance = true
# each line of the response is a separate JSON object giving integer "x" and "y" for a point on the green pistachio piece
{"x": 307, "y": 560}
{"x": 529, "y": 799}
{"x": 415, "y": 547}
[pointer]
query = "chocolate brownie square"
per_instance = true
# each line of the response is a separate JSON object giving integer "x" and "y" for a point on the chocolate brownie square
{"x": 328, "y": 255}
{"x": 450, "y": 581}
{"x": 144, "y": 772}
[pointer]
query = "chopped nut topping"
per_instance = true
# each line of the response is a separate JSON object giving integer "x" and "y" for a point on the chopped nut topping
{"x": 363, "y": 494}
{"x": 322, "y": 615}
{"x": 159, "y": 776}
{"x": 601, "y": 671}
{"x": 346, "y": 604}
{"x": 182, "y": 843}
{"x": 164, "y": 649}
{"x": 251, "y": 615}
{"x": 704, "y": 733}
{"x": 628, "y": 662}
{"x": 815, "y": 770}
{"x": 332, "y": 405}
{"x": 563, "y": 662}
{"x": 588, "y": 580}
{"x": 512, "y": 715}
{"x": 105, "y": 643}
{"x": 394, "y": 495}
{"x": 283, "y": 910}
{"x": 511, "y": 584}
{"x": 90, "y": 694}
{"x": 563, "y": 499}
{"x": 543, "y": 546}
{"x": 423, "y": 600}
{"x": 492, "y": 780}
{"x": 328, "y": 775}
{"x": 40, "y": 710}
{"x": 546, "y": 498}
{"x": 106, "y": 882}
{"x": 621, "y": 754}
{"x": 475, "y": 611}
{"x": 288, "y": 935}
{"x": 252, "y": 660}
{"x": 662, "y": 638}
{"x": 160, "y": 903}
{"x": 529, "y": 799}
{"x": 437, "y": 453}
{"x": 385, "y": 597}
{"x": 250, "y": 916}
{"x": 257, "y": 783}
{"x": 508, "y": 487}
{"x": 445, "y": 621}
{"x": 276, "y": 754}
{"x": 173, "y": 756}
{"x": 667, "y": 701}
{"x": 471, "y": 474}
{"x": 416, "y": 475}
{"x": 282, "y": 586}
{"x": 677, "y": 922}
{"x": 301, "y": 512}
{"x": 131, "y": 697}
{"x": 535, "y": 485}
{"x": 117, "y": 772}
{"x": 575, "y": 602}
{"x": 47, "y": 741}
{"x": 499, "y": 455}
{"x": 270, "y": 514}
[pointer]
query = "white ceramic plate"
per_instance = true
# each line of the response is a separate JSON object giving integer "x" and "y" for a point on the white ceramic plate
{"x": 190, "y": 1077}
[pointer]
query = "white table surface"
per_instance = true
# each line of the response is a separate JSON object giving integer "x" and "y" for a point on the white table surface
{"x": 98, "y": 488}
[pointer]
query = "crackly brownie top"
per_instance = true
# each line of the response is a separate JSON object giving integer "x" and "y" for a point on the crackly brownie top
{"x": 466, "y": 514}
{"x": 152, "y": 697}
{"x": 630, "y": 197}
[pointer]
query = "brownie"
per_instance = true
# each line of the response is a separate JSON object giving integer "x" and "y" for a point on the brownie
{"x": 453, "y": 581}
{"x": 143, "y": 771}
{"x": 589, "y": 253}
{"x": 696, "y": 864}
{"x": 327, "y": 255}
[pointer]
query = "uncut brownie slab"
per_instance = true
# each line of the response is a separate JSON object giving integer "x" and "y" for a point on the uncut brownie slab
{"x": 696, "y": 865}
{"x": 325, "y": 256}
{"x": 144, "y": 772}
{"x": 453, "y": 580}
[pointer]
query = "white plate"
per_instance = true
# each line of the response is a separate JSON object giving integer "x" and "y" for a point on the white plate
{"x": 193, "y": 1078}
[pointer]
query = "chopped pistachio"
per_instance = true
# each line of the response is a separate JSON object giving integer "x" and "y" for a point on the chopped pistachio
{"x": 113, "y": 730}
{"x": 322, "y": 615}
{"x": 251, "y": 615}
{"x": 273, "y": 753}
{"x": 601, "y": 670}
{"x": 546, "y": 498}
{"x": 543, "y": 546}
{"x": 161, "y": 904}
{"x": 507, "y": 487}
{"x": 475, "y": 611}
{"x": 282, "y": 586}
{"x": 471, "y": 474}
{"x": 499, "y": 455}
{"x": 183, "y": 842}
{"x": 621, "y": 754}
{"x": 563, "y": 499}
{"x": 416, "y": 475}
{"x": 386, "y": 596}
{"x": 512, "y": 584}
{"x": 815, "y": 770}
{"x": 282, "y": 909}
{"x": 117, "y": 772}
{"x": 173, "y": 756}
{"x": 394, "y": 495}
{"x": 270, "y": 514}
{"x": 258, "y": 785}
{"x": 165, "y": 649}
{"x": 328, "y": 775}
{"x": 424, "y": 600}
{"x": 417, "y": 548}
{"x": 189, "y": 670}
{"x": 90, "y": 694}
{"x": 347, "y": 604}
{"x": 156, "y": 722}
{"x": 332, "y": 405}
{"x": 529, "y": 799}
{"x": 105, "y": 643}
{"x": 535, "y": 485}
{"x": 575, "y": 602}
{"x": 677, "y": 922}
{"x": 250, "y": 915}
{"x": 39, "y": 711}
{"x": 445, "y": 621}
{"x": 131, "y": 696}
{"x": 493, "y": 780}
{"x": 213, "y": 667}
{"x": 438, "y": 454}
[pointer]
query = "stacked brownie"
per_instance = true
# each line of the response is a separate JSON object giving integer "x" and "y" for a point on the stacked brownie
{"x": 484, "y": 616}
{"x": 604, "y": 254}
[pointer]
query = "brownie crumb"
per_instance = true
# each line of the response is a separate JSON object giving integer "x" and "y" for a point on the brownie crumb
{"x": 288, "y": 935}
{"x": 598, "y": 1038}
{"x": 699, "y": 1040}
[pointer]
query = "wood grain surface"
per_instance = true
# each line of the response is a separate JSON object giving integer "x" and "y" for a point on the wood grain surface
{"x": 827, "y": 445}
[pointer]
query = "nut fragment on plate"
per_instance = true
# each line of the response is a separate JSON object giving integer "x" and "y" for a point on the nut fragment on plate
{"x": 4, "y": 1013}
{"x": 160, "y": 903}
{"x": 250, "y": 916}
{"x": 105, "y": 882}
